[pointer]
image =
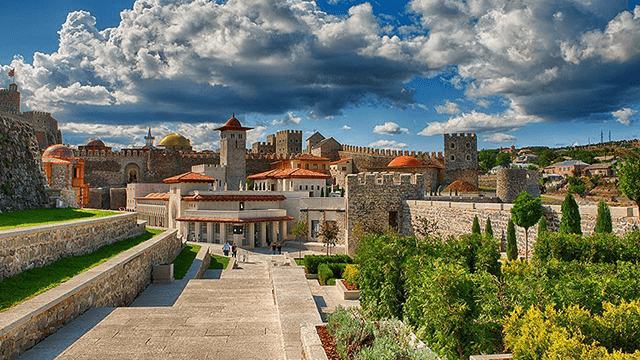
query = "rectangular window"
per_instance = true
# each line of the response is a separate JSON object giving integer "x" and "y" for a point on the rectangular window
{"x": 241, "y": 207}
{"x": 393, "y": 219}
{"x": 315, "y": 227}
{"x": 203, "y": 228}
{"x": 238, "y": 229}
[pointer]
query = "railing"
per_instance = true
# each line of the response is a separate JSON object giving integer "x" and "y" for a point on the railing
{"x": 239, "y": 215}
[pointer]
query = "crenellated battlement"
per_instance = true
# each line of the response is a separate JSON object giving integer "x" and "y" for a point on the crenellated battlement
{"x": 203, "y": 168}
{"x": 282, "y": 132}
{"x": 125, "y": 153}
{"x": 37, "y": 113}
{"x": 199, "y": 155}
{"x": 391, "y": 154}
{"x": 460, "y": 135}
{"x": 384, "y": 179}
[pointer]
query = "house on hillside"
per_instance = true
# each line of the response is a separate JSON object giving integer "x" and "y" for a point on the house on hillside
{"x": 568, "y": 167}
{"x": 602, "y": 169}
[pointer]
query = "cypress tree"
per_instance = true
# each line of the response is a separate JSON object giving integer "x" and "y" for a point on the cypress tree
{"x": 488, "y": 231}
{"x": 542, "y": 226}
{"x": 512, "y": 245}
{"x": 322, "y": 192}
{"x": 570, "y": 223}
{"x": 603, "y": 221}
{"x": 475, "y": 228}
{"x": 342, "y": 192}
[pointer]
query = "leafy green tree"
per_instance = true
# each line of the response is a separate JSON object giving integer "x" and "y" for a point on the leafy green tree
{"x": 300, "y": 229}
{"x": 342, "y": 192}
{"x": 629, "y": 175}
{"x": 329, "y": 234}
{"x": 322, "y": 192}
{"x": 486, "y": 159}
{"x": 503, "y": 159}
{"x": 546, "y": 158}
{"x": 603, "y": 221}
{"x": 526, "y": 212}
{"x": 512, "y": 245}
{"x": 570, "y": 223}
{"x": 488, "y": 231}
{"x": 475, "y": 228}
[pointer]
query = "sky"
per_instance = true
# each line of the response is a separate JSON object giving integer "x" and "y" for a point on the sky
{"x": 385, "y": 74}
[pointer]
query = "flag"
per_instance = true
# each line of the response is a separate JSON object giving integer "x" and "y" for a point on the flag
{"x": 12, "y": 72}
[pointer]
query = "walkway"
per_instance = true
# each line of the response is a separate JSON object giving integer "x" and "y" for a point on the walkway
{"x": 253, "y": 312}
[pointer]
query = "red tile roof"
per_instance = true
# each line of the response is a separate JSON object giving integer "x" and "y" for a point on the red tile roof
{"x": 233, "y": 124}
{"x": 289, "y": 174}
{"x": 155, "y": 196}
{"x": 340, "y": 161}
{"x": 55, "y": 161}
{"x": 189, "y": 177}
{"x": 236, "y": 221}
{"x": 404, "y": 161}
{"x": 234, "y": 198}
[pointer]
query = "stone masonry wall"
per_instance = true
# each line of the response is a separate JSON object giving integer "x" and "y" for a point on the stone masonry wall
{"x": 22, "y": 180}
{"x": 372, "y": 197}
{"x": 511, "y": 182}
{"x": 456, "y": 218}
{"x": 116, "y": 282}
{"x": 25, "y": 248}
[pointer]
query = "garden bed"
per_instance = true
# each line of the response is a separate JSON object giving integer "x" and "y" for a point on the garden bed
{"x": 349, "y": 292}
{"x": 328, "y": 343}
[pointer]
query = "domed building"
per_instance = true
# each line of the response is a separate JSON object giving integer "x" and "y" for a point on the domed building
{"x": 94, "y": 145}
{"x": 65, "y": 173}
{"x": 431, "y": 168}
{"x": 175, "y": 141}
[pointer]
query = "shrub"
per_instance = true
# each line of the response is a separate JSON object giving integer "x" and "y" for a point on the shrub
{"x": 337, "y": 269}
{"x": 311, "y": 262}
{"x": 351, "y": 275}
{"x": 324, "y": 274}
{"x": 475, "y": 228}
{"x": 570, "y": 222}
{"x": 603, "y": 221}
{"x": 512, "y": 245}
{"x": 597, "y": 248}
{"x": 542, "y": 226}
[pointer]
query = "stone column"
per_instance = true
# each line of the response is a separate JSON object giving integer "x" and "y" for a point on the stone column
{"x": 284, "y": 230}
{"x": 250, "y": 234}
{"x": 223, "y": 233}
{"x": 274, "y": 231}
{"x": 263, "y": 233}
{"x": 209, "y": 233}
{"x": 196, "y": 231}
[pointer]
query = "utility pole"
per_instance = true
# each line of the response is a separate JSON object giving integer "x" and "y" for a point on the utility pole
{"x": 601, "y": 137}
{"x": 609, "y": 135}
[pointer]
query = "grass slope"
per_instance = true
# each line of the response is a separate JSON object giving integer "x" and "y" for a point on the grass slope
{"x": 218, "y": 262}
{"x": 183, "y": 262}
{"x": 32, "y": 282}
{"x": 35, "y": 217}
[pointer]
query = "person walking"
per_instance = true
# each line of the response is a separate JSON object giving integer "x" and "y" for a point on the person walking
{"x": 234, "y": 250}
{"x": 279, "y": 248}
{"x": 273, "y": 248}
{"x": 225, "y": 248}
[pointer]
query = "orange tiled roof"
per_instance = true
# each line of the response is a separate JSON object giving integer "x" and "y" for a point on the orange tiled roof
{"x": 155, "y": 196}
{"x": 55, "y": 161}
{"x": 340, "y": 161}
{"x": 404, "y": 161}
{"x": 234, "y": 198}
{"x": 233, "y": 124}
{"x": 289, "y": 174}
{"x": 236, "y": 221}
{"x": 189, "y": 177}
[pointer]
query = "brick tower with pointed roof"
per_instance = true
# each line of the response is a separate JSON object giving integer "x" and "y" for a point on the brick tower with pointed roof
{"x": 233, "y": 150}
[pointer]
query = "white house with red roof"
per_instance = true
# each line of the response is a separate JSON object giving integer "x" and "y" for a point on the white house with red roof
{"x": 296, "y": 179}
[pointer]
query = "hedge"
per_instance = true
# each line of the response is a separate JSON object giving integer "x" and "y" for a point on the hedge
{"x": 311, "y": 262}
{"x": 324, "y": 274}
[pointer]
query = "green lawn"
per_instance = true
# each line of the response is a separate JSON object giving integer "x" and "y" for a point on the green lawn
{"x": 300, "y": 262}
{"x": 35, "y": 217}
{"x": 183, "y": 262}
{"x": 32, "y": 282}
{"x": 218, "y": 262}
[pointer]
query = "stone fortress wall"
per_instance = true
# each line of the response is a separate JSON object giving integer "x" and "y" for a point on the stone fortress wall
{"x": 115, "y": 282}
{"x": 510, "y": 182}
{"x": 10, "y": 99}
{"x": 25, "y": 248}
{"x": 374, "y": 201}
{"x": 366, "y": 158}
{"x": 456, "y": 218}
{"x": 22, "y": 179}
{"x": 288, "y": 142}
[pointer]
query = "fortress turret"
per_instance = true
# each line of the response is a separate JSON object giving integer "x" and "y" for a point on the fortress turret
{"x": 10, "y": 99}
{"x": 233, "y": 150}
{"x": 461, "y": 158}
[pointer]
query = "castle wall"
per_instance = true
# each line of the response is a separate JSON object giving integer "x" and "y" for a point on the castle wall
{"x": 289, "y": 142}
{"x": 372, "y": 199}
{"x": 10, "y": 99}
{"x": 22, "y": 179}
{"x": 45, "y": 126}
{"x": 456, "y": 218}
{"x": 510, "y": 182}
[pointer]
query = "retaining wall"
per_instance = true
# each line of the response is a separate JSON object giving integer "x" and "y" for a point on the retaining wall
{"x": 456, "y": 218}
{"x": 114, "y": 283}
{"x": 37, "y": 246}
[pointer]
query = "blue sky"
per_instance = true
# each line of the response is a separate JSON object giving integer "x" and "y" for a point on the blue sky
{"x": 395, "y": 74}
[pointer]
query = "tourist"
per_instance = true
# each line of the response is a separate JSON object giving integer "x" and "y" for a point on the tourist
{"x": 273, "y": 248}
{"x": 279, "y": 248}
{"x": 225, "y": 248}
{"x": 199, "y": 237}
{"x": 234, "y": 250}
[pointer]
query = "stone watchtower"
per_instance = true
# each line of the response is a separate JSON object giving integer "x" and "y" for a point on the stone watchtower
{"x": 461, "y": 158}
{"x": 10, "y": 99}
{"x": 233, "y": 150}
{"x": 288, "y": 142}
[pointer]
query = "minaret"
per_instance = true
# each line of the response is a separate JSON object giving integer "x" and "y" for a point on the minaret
{"x": 233, "y": 151}
{"x": 149, "y": 139}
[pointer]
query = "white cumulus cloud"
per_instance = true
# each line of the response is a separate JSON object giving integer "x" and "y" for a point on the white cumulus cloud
{"x": 390, "y": 128}
{"x": 499, "y": 138}
{"x": 346, "y": 127}
{"x": 388, "y": 144}
{"x": 448, "y": 108}
{"x": 624, "y": 115}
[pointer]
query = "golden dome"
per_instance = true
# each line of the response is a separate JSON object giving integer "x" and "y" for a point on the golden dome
{"x": 58, "y": 151}
{"x": 175, "y": 140}
{"x": 405, "y": 161}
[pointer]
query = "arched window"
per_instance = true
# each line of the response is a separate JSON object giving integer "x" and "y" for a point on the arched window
{"x": 453, "y": 145}
{"x": 453, "y": 158}
{"x": 468, "y": 157}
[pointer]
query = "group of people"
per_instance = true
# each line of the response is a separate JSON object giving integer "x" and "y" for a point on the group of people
{"x": 226, "y": 247}
{"x": 276, "y": 249}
